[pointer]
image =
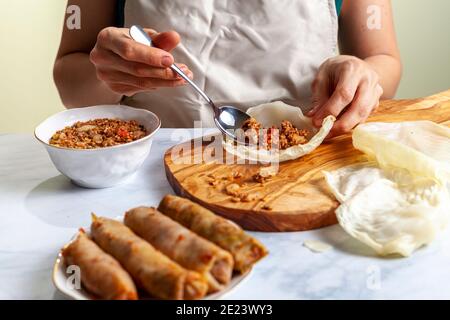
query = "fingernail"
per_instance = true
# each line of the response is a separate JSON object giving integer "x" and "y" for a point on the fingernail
{"x": 166, "y": 61}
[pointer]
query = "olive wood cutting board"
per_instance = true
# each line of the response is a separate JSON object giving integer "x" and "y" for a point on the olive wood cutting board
{"x": 296, "y": 198}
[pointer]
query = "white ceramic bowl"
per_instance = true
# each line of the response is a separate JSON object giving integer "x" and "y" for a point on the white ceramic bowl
{"x": 102, "y": 167}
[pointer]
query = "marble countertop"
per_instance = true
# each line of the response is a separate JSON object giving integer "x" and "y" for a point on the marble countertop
{"x": 40, "y": 210}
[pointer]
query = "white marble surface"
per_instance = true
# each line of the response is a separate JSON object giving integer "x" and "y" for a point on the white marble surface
{"x": 40, "y": 210}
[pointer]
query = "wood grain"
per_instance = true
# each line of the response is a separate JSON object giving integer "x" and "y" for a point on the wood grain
{"x": 297, "y": 198}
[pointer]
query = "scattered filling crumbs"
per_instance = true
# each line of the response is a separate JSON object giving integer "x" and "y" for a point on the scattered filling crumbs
{"x": 259, "y": 178}
{"x": 213, "y": 180}
{"x": 264, "y": 174}
{"x": 248, "y": 197}
{"x": 286, "y": 136}
{"x": 233, "y": 189}
{"x": 236, "y": 175}
{"x": 98, "y": 133}
{"x": 233, "y": 186}
{"x": 238, "y": 195}
{"x": 265, "y": 205}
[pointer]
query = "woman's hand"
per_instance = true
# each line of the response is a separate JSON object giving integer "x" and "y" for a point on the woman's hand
{"x": 128, "y": 67}
{"x": 347, "y": 88}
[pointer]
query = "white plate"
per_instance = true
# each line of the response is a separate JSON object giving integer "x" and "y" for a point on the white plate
{"x": 60, "y": 280}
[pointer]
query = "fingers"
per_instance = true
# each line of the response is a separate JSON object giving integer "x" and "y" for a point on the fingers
{"x": 355, "y": 93}
{"x": 320, "y": 92}
{"x": 166, "y": 41}
{"x": 378, "y": 92}
{"x": 151, "y": 32}
{"x": 129, "y": 67}
{"x": 342, "y": 96}
{"x": 118, "y": 41}
{"x": 357, "y": 112}
{"x": 117, "y": 77}
{"x": 106, "y": 60}
{"x": 365, "y": 102}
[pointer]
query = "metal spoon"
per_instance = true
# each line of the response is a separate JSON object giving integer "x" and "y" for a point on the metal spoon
{"x": 227, "y": 118}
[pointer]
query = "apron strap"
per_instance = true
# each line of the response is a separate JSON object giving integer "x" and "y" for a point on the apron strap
{"x": 338, "y": 6}
{"x": 119, "y": 20}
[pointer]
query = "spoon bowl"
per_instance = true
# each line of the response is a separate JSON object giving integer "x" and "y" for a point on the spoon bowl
{"x": 229, "y": 120}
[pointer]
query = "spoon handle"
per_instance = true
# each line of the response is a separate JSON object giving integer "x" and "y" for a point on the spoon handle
{"x": 185, "y": 77}
{"x": 139, "y": 35}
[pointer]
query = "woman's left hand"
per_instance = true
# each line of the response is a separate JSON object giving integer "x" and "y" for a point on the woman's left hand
{"x": 347, "y": 88}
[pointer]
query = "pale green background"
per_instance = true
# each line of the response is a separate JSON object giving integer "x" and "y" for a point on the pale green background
{"x": 30, "y": 32}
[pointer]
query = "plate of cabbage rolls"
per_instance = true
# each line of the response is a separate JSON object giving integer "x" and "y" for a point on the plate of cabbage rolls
{"x": 178, "y": 251}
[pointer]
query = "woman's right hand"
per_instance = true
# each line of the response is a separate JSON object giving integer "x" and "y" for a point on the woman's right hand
{"x": 128, "y": 67}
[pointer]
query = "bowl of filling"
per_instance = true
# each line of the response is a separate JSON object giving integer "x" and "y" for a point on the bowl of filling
{"x": 98, "y": 146}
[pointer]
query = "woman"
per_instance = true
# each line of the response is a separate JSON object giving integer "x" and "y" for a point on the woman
{"x": 242, "y": 53}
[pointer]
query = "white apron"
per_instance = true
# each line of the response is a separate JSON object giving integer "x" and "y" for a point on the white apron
{"x": 242, "y": 53}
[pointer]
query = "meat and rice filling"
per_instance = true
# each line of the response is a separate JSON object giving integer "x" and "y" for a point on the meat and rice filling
{"x": 98, "y": 133}
{"x": 286, "y": 136}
